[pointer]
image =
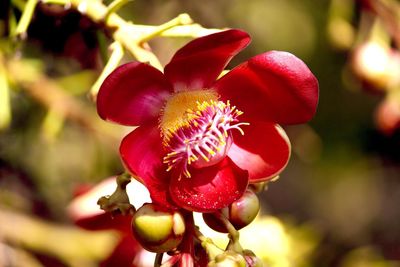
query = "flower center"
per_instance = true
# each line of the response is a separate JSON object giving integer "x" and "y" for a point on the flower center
{"x": 195, "y": 127}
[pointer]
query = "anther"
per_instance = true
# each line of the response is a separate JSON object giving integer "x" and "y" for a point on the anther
{"x": 204, "y": 139}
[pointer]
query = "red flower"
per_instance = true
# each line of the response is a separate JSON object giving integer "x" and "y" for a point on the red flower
{"x": 202, "y": 139}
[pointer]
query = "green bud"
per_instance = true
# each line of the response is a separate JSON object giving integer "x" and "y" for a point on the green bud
{"x": 228, "y": 259}
{"x": 156, "y": 229}
{"x": 240, "y": 213}
{"x": 244, "y": 210}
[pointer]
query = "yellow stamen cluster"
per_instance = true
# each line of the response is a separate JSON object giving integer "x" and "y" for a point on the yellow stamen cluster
{"x": 176, "y": 115}
{"x": 201, "y": 135}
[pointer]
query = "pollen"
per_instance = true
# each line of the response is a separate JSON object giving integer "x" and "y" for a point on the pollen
{"x": 197, "y": 130}
{"x": 179, "y": 109}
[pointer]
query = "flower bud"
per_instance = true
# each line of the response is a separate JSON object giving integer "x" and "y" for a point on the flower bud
{"x": 228, "y": 259}
{"x": 156, "y": 229}
{"x": 240, "y": 213}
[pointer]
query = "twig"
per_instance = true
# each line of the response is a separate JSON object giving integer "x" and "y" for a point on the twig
{"x": 5, "y": 109}
{"x": 26, "y": 18}
{"x": 131, "y": 36}
{"x": 158, "y": 259}
{"x": 117, "y": 52}
{"x": 182, "y": 19}
{"x": 114, "y": 7}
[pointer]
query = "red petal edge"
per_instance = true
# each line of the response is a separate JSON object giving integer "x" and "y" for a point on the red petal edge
{"x": 274, "y": 86}
{"x": 199, "y": 63}
{"x": 105, "y": 221}
{"x": 142, "y": 153}
{"x": 210, "y": 188}
{"x": 133, "y": 94}
{"x": 263, "y": 150}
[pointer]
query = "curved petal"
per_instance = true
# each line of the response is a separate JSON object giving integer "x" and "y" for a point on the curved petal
{"x": 209, "y": 188}
{"x": 274, "y": 86}
{"x": 132, "y": 94}
{"x": 142, "y": 153}
{"x": 198, "y": 64}
{"x": 263, "y": 150}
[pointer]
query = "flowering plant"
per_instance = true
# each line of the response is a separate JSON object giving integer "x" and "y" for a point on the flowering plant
{"x": 203, "y": 138}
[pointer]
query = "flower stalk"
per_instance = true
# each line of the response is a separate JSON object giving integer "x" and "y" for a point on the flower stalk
{"x": 117, "y": 53}
{"x": 158, "y": 259}
{"x": 182, "y": 19}
{"x": 131, "y": 36}
{"x": 114, "y": 7}
{"x": 26, "y": 18}
{"x": 118, "y": 202}
{"x": 187, "y": 246}
{"x": 233, "y": 235}
{"x": 5, "y": 108}
{"x": 211, "y": 249}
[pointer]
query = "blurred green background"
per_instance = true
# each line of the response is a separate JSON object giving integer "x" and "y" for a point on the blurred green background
{"x": 342, "y": 183}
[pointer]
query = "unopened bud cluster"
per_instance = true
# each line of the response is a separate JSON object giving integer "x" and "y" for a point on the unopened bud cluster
{"x": 160, "y": 230}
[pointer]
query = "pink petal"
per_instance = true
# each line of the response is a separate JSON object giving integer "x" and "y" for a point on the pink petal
{"x": 199, "y": 63}
{"x": 142, "y": 154}
{"x": 274, "y": 86}
{"x": 210, "y": 188}
{"x": 263, "y": 150}
{"x": 132, "y": 94}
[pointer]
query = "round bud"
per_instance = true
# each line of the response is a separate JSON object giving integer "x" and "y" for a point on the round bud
{"x": 156, "y": 229}
{"x": 240, "y": 213}
{"x": 228, "y": 259}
